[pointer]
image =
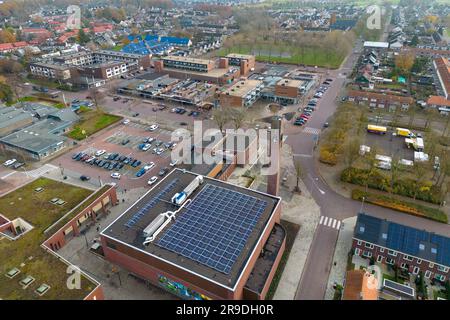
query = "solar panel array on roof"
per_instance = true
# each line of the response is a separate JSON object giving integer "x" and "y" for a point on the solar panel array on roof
{"x": 214, "y": 227}
{"x": 411, "y": 241}
{"x": 146, "y": 208}
{"x": 399, "y": 287}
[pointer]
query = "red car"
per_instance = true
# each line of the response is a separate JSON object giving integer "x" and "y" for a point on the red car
{"x": 304, "y": 116}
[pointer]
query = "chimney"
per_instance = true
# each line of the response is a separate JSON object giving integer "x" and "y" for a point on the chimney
{"x": 273, "y": 180}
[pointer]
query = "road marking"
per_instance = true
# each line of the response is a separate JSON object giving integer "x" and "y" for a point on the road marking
{"x": 302, "y": 155}
{"x": 330, "y": 222}
{"x": 36, "y": 173}
{"x": 310, "y": 130}
{"x": 315, "y": 184}
{"x": 7, "y": 175}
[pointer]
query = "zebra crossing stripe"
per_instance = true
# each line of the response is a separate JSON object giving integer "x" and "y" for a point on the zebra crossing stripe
{"x": 321, "y": 219}
{"x": 334, "y": 223}
{"x": 338, "y": 225}
{"x": 325, "y": 222}
{"x": 330, "y": 222}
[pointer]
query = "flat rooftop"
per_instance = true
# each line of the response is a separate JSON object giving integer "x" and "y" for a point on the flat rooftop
{"x": 213, "y": 73}
{"x": 240, "y": 56}
{"x": 242, "y": 87}
{"x": 290, "y": 83}
{"x": 213, "y": 236}
{"x": 26, "y": 253}
{"x": 188, "y": 59}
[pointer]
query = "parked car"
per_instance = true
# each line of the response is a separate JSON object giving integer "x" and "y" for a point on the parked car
{"x": 115, "y": 175}
{"x": 326, "y": 125}
{"x": 136, "y": 114}
{"x": 149, "y": 166}
{"x": 152, "y": 180}
{"x": 136, "y": 163}
{"x": 140, "y": 173}
{"x": 85, "y": 178}
{"x": 126, "y": 121}
{"x": 17, "y": 165}
{"x": 163, "y": 171}
{"x": 173, "y": 163}
{"x": 146, "y": 147}
{"x": 116, "y": 98}
{"x": 76, "y": 155}
{"x": 100, "y": 152}
{"x": 153, "y": 127}
{"x": 125, "y": 141}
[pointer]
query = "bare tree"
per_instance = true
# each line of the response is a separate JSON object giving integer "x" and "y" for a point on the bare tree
{"x": 97, "y": 97}
{"x": 237, "y": 116}
{"x": 352, "y": 152}
{"x": 299, "y": 173}
{"x": 221, "y": 117}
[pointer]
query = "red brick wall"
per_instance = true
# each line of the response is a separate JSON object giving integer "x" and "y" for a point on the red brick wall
{"x": 399, "y": 259}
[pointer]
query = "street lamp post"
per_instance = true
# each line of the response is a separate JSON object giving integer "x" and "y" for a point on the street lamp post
{"x": 362, "y": 204}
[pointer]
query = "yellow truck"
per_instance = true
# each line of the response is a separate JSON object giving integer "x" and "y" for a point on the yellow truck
{"x": 405, "y": 133}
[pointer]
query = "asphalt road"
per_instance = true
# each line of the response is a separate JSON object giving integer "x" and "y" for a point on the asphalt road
{"x": 314, "y": 279}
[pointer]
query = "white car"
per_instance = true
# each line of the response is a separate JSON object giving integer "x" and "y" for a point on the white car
{"x": 149, "y": 166}
{"x": 9, "y": 162}
{"x": 174, "y": 163}
{"x": 153, "y": 127}
{"x": 100, "y": 152}
{"x": 126, "y": 121}
{"x": 146, "y": 147}
{"x": 115, "y": 175}
{"x": 152, "y": 180}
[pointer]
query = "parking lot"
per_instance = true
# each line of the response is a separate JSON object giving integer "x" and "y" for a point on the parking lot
{"x": 118, "y": 151}
{"x": 389, "y": 145}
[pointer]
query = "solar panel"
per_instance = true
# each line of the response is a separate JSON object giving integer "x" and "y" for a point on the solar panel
{"x": 399, "y": 287}
{"x": 214, "y": 227}
{"x": 146, "y": 208}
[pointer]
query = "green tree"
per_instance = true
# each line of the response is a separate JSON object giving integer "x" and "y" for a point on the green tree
{"x": 83, "y": 38}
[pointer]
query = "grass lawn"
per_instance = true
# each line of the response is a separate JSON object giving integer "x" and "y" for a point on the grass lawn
{"x": 392, "y": 278}
{"x": 311, "y": 56}
{"x": 25, "y": 253}
{"x": 291, "y": 232}
{"x": 92, "y": 122}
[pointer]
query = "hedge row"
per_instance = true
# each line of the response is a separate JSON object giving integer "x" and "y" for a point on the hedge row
{"x": 404, "y": 187}
{"x": 399, "y": 205}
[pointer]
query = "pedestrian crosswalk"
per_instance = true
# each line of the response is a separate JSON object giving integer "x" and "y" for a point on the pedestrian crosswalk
{"x": 330, "y": 222}
{"x": 310, "y": 130}
{"x": 36, "y": 173}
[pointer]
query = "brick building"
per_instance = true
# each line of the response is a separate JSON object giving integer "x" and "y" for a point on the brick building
{"x": 226, "y": 244}
{"x": 408, "y": 248}
{"x": 241, "y": 94}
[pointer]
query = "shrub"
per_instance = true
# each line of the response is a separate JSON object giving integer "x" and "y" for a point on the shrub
{"x": 327, "y": 157}
{"x": 404, "y": 187}
{"x": 399, "y": 205}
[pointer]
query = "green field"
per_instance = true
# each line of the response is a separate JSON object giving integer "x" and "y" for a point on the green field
{"x": 310, "y": 56}
{"x": 92, "y": 122}
{"x": 26, "y": 253}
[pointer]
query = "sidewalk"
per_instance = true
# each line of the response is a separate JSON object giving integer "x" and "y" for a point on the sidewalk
{"x": 304, "y": 211}
{"x": 343, "y": 247}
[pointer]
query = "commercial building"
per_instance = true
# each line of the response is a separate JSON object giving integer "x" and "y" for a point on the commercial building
{"x": 186, "y": 63}
{"x": 12, "y": 119}
{"x": 245, "y": 62}
{"x": 40, "y": 137}
{"x": 407, "y": 248}
{"x": 241, "y": 94}
{"x": 50, "y": 70}
{"x": 100, "y": 64}
{"x": 200, "y": 238}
